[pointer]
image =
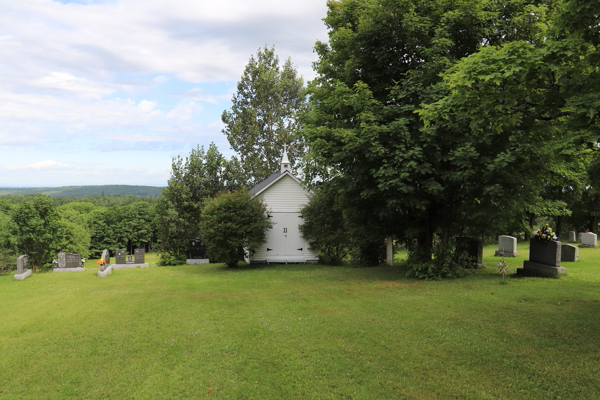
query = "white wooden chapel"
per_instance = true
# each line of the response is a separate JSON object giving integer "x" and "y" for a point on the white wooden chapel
{"x": 284, "y": 196}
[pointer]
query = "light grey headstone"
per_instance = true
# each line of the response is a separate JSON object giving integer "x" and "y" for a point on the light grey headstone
{"x": 588, "y": 240}
{"x": 568, "y": 252}
{"x": 22, "y": 264}
{"x": 106, "y": 256}
{"x": 572, "y": 236}
{"x": 69, "y": 260}
{"x": 507, "y": 246}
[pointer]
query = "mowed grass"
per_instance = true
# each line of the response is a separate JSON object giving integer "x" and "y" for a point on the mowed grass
{"x": 301, "y": 332}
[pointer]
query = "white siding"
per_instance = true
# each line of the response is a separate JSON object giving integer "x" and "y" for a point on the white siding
{"x": 285, "y": 195}
{"x": 284, "y": 199}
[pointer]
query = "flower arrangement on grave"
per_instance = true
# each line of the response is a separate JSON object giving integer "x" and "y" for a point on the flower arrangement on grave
{"x": 100, "y": 262}
{"x": 545, "y": 233}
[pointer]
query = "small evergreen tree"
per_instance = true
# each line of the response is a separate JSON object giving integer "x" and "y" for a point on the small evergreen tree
{"x": 233, "y": 225}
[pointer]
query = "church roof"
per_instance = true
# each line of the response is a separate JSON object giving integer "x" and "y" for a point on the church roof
{"x": 263, "y": 185}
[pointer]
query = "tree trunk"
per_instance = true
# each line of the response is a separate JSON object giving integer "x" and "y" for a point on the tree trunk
{"x": 558, "y": 224}
{"x": 531, "y": 222}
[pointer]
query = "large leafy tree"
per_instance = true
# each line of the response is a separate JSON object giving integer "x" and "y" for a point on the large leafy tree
{"x": 35, "y": 226}
{"x": 263, "y": 115}
{"x": 461, "y": 170}
{"x": 194, "y": 179}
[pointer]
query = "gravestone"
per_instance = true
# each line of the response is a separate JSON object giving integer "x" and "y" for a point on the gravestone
{"x": 474, "y": 248}
{"x": 105, "y": 267}
{"x": 544, "y": 259}
{"x": 139, "y": 255}
{"x": 106, "y": 259}
{"x": 572, "y": 236}
{"x": 23, "y": 270}
{"x": 124, "y": 261}
{"x": 197, "y": 252}
{"x": 68, "y": 262}
{"x": 120, "y": 256}
{"x": 568, "y": 252}
{"x": 507, "y": 246}
{"x": 22, "y": 264}
{"x": 588, "y": 239}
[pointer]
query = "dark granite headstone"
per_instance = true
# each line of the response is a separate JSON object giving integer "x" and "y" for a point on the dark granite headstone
{"x": 473, "y": 247}
{"x": 120, "y": 256}
{"x": 545, "y": 252}
{"x": 544, "y": 259}
{"x": 139, "y": 255}
{"x": 69, "y": 260}
{"x": 196, "y": 249}
{"x": 22, "y": 264}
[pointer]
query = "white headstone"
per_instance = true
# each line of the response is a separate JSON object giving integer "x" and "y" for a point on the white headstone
{"x": 572, "y": 236}
{"x": 588, "y": 239}
{"x": 507, "y": 246}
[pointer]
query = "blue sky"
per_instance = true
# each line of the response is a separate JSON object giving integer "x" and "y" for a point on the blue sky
{"x": 108, "y": 92}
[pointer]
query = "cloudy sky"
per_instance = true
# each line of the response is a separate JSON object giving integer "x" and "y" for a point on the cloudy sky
{"x": 107, "y": 92}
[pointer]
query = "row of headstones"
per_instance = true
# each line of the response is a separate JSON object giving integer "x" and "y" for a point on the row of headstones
{"x": 544, "y": 256}
{"x": 587, "y": 239}
{"x": 122, "y": 261}
{"x": 72, "y": 262}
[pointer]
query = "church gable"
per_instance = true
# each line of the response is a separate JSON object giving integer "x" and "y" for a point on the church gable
{"x": 285, "y": 195}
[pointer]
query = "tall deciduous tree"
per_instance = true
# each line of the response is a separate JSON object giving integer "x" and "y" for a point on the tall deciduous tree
{"x": 263, "y": 116}
{"x": 462, "y": 170}
{"x": 194, "y": 179}
{"x": 36, "y": 227}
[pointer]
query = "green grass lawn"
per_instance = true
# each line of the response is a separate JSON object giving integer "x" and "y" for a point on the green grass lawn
{"x": 301, "y": 331}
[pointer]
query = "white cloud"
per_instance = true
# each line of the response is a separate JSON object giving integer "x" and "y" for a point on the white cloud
{"x": 200, "y": 95}
{"x": 42, "y": 165}
{"x": 78, "y": 76}
{"x": 80, "y": 87}
{"x": 184, "y": 111}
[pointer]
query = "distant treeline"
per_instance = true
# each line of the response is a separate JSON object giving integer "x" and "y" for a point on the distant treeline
{"x": 82, "y": 191}
{"x": 97, "y": 200}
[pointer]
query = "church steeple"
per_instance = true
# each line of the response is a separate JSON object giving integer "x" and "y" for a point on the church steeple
{"x": 285, "y": 162}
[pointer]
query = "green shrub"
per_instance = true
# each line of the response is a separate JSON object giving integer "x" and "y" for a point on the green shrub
{"x": 233, "y": 225}
{"x": 445, "y": 264}
{"x": 324, "y": 226}
{"x": 167, "y": 259}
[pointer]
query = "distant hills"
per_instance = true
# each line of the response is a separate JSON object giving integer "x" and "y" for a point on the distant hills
{"x": 81, "y": 191}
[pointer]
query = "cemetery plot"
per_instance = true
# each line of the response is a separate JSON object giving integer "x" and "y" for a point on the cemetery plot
{"x": 124, "y": 260}
{"x": 544, "y": 259}
{"x": 197, "y": 252}
{"x": 68, "y": 262}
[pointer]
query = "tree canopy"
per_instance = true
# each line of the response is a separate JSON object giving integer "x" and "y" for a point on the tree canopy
{"x": 432, "y": 113}
{"x": 264, "y": 114}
